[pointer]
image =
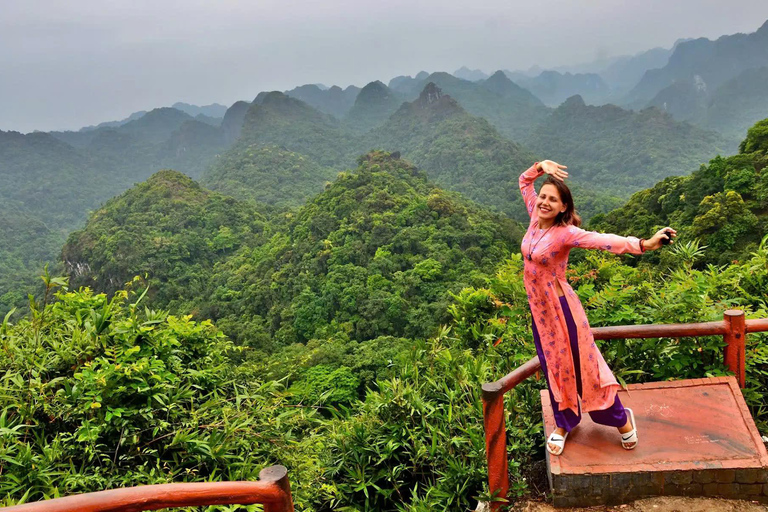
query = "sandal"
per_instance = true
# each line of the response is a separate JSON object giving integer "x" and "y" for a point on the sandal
{"x": 629, "y": 440}
{"x": 558, "y": 441}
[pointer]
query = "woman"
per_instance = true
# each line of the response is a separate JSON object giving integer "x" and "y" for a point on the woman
{"x": 577, "y": 375}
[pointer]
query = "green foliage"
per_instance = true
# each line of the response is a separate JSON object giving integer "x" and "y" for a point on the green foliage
{"x": 723, "y": 204}
{"x": 167, "y": 229}
{"x": 757, "y": 139}
{"x": 267, "y": 174}
{"x": 323, "y": 385}
{"x": 99, "y": 393}
{"x": 417, "y": 443}
{"x": 375, "y": 254}
{"x": 49, "y": 186}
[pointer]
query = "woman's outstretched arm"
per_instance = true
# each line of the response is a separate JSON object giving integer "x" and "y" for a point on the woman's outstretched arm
{"x": 577, "y": 237}
{"x": 535, "y": 171}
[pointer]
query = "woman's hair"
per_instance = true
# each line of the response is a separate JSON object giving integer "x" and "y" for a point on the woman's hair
{"x": 569, "y": 217}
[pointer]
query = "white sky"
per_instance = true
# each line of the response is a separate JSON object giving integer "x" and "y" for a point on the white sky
{"x": 67, "y": 64}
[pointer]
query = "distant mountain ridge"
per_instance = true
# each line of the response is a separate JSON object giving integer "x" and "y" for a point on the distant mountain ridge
{"x": 620, "y": 150}
{"x": 333, "y": 101}
{"x": 473, "y": 75}
{"x": 552, "y": 87}
{"x": 713, "y": 62}
{"x": 214, "y": 110}
{"x": 373, "y": 105}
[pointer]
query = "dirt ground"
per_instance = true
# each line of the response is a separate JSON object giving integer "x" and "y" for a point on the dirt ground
{"x": 660, "y": 504}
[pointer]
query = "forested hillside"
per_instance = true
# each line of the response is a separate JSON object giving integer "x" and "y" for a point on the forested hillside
{"x": 267, "y": 174}
{"x": 124, "y": 395}
{"x": 512, "y": 110}
{"x": 375, "y": 254}
{"x": 618, "y": 150}
{"x": 722, "y": 206}
{"x": 167, "y": 230}
{"x": 51, "y": 185}
{"x": 374, "y": 104}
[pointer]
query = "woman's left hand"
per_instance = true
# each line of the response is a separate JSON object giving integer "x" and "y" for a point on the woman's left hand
{"x": 654, "y": 242}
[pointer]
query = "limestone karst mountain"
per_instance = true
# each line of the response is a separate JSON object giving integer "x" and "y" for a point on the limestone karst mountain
{"x": 553, "y": 87}
{"x": 713, "y": 62}
{"x": 620, "y": 150}
{"x": 374, "y": 104}
{"x": 473, "y": 75}
{"x": 334, "y": 100}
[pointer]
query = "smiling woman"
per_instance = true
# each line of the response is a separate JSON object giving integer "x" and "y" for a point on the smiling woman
{"x": 577, "y": 375}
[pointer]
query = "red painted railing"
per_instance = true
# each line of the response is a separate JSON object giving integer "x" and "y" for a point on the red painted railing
{"x": 273, "y": 490}
{"x": 733, "y": 328}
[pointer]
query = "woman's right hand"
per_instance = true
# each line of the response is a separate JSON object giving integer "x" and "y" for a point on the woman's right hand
{"x": 554, "y": 169}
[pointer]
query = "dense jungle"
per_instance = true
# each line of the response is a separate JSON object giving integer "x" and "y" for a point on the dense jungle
{"x": 323, "y": 278}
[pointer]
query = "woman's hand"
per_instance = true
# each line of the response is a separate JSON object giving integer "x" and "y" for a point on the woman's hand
{"x": 655, "y": 242}
{"x": 554, "y": 169}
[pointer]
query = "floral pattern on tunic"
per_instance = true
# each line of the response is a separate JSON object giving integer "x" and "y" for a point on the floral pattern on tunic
{"x": 545, "y": 256}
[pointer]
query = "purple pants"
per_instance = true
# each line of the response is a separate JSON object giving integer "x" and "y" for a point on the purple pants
{"x": 614, "y": 416}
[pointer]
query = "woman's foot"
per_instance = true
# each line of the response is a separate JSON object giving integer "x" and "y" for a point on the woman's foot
{"x": 556, "y": 441}
{"x": 629, "y": 431}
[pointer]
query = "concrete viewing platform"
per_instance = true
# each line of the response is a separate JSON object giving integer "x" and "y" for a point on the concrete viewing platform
{"x": 696, "y": 438}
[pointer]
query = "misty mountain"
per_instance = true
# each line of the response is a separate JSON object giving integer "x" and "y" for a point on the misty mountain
{"x": 457, "y": 150}
{"x": 739, "y": 103}
{"x": 514, "y": 111}
{"x": 333, "y": 101}
{"x": 232, "y": 124}
{"x": 214, "y": 110}
{"x": 297, "y": 127}
{"x": 408, "y": 86}
{"x": 615, "y": 150}
{"x": 685, "y": 100}
{"x": 373, "y": 105}
{"x": 625, "y": 72}
{"x": 730, "y": 109}
{"x": 473, "y": 75}
{"x": 713, "y": 62}
{"x": 553, "y": 87}
{"x": 113, "y": 124}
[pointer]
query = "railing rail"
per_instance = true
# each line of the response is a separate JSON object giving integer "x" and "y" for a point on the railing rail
{"x": 273, "y": 490}
{"x": 733, "y": 328}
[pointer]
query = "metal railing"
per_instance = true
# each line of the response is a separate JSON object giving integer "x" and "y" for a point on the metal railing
{"x": 273, "y": 490}
{"x": 733, "y": 328}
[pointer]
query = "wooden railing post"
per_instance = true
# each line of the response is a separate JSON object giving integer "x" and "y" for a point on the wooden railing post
{"x": 735, "y": 343}
{"x": 496, "y": 443}
{"x": 278, "y": 475}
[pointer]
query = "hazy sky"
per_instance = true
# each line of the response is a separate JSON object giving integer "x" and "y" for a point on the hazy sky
{"x": 67, "y": 64}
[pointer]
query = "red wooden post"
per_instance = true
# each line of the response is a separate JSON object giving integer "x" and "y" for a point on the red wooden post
{"x": 735, "y": 339}
{"x": 278, "y": 475}
{"x": 496, "y": 443}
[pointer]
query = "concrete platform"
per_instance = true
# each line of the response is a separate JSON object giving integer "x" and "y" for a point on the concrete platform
{"x": 697, "y": 438}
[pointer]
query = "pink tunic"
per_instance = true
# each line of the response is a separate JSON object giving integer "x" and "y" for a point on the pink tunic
{"x": 548, "y": 250}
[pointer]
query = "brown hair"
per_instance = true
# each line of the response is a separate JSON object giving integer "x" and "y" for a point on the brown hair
{"x": 569, "y": 217}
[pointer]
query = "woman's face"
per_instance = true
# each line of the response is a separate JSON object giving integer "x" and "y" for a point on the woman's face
{"x": 548, "y": 203}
